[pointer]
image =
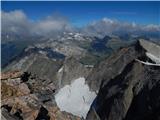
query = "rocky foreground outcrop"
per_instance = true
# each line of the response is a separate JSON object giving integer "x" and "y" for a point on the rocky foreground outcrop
{"x": 128, "y": 89}
{"x": 27, "y": 97}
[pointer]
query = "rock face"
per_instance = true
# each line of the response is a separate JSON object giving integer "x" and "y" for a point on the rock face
{"x": 150, "y": 47}
{"x": 111, "y": 67}
{"x": 128, "y": 88}
{"x": 72, "y": 70}
{"x": 152, "y": 50}
{"x": 38, "y": 64}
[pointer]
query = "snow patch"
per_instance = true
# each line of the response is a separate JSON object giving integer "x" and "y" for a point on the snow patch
{"x": 42, "y": 52}
{"x": 70, "y": 33}
{"x": 60, "y": 70}
{"x": 89, "y": 66}
{"x": 154, "y": 58}
{"x": 75, "y": 98}
{"x": 147, "y": 63}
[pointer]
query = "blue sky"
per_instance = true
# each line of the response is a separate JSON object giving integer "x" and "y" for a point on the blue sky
{"x": 80, "y": 13}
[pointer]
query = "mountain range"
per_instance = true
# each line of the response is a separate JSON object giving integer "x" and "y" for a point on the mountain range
{"x": 81, "y": 77}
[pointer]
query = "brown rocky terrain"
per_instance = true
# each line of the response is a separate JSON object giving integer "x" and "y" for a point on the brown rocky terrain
{"x": 25, "y": 99}
{"x": 11, "y": 75}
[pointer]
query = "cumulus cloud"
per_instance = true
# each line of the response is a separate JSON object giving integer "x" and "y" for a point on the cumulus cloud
{"x": 108, "y": 26}
{"x": 17, "y": 22}
{"x": 52, "y": 25}
{"x": 14, "y": 22}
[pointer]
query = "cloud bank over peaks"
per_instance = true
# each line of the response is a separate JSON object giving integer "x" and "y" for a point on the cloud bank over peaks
{"x": 16, "y": 22}
{"x": 108, "y": 26}
{"x": 52, "y": 25}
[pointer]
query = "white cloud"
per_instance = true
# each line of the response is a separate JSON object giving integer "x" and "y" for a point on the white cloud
{"x": 108, "y": 26}
{"x": 14, "y": 22}
{"x": 151, "y": 27}
{"x": 18, "y": 23}
{"x": 51, "y": 25}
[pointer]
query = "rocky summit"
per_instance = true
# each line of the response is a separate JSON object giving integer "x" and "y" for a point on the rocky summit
{"x": 60, "y": 80}
{"x": 128, "y": 83}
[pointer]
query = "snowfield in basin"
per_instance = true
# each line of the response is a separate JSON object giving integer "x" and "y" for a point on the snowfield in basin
{"x": 75, "y": 98}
